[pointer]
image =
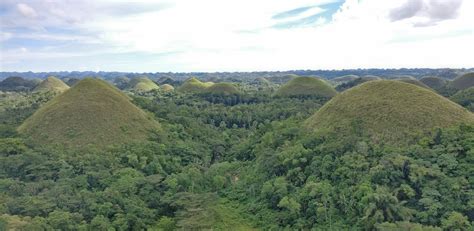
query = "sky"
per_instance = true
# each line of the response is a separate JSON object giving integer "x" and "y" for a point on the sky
{"x": 234, "y": 35}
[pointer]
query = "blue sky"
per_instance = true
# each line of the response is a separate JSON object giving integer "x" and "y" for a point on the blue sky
{"x": 233, "y": 35}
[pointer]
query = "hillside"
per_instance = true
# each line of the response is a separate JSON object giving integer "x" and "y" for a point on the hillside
{"x": 463, "y": 82}
{"x": 92, "y": 113}
{"x": 414, "y": 82}
{"x": 16, "y": 83}
{"x": 194, "y": 85}
{"x": 142, "y": 84}
{"x": 355, "y": 82}
{"x": 51, "y": 84}
{"x": 222, "y": 89}
{"x": 465, "y": 98}
{"x": 167, "y": 88}
{"x": 345, "y": 78}
{"x": 389, "y": 111}
{"x": 433, "y": 82}
{"x": 306, "y": 86}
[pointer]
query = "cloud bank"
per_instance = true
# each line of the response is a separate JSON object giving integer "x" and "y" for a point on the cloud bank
{"x": 245, "y": 35}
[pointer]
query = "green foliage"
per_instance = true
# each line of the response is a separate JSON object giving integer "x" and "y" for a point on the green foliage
{"x": 465, "y": 98}
{"x": 194, "y": 85}
{"x": 463, "y": 82}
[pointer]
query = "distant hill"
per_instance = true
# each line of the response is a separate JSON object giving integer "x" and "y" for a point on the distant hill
{"x": 345, "y": 78}
{"x": 194, "y": 85}
{"x": 306, "y": 86}
{"x": 386, "y": 111}
{"x": 414, "y": 82}
{"x": 51, "y": 84}
{"x": 121, "y": 82}
{"x": 142, "y": 84}
{"x": 222, "y": 89}
{"x": 355, "y": 82}
{"x": 16, "y": 83}
{"x": 463, "y": 82}
{"x": 465, "y": 98}
{"x": 70, "y": 81}
{"x": 92, "y": 113}
{"x": 167, "y": 88}
{"x": 433, "y": 82}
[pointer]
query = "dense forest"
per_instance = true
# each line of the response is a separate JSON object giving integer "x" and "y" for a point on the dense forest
{"x": 241, "y": 156}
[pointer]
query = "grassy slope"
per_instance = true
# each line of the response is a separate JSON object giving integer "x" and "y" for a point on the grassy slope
{"x": 465, "y": 98}
{"x": 222, "y": 88}
{"x": 194, "y": 85}
{"x": 167, "y": 87}
{"x": 414, "y": 82}
{"x": 303, "y": 86}
{"x": 52, "y": 84}
{"x": 91, "y": 113}
{"x": 142, "y": 84}
{"x": 463, "y": 82}
{"x": 387, "y": 110}
{"x": 433, "y": 82}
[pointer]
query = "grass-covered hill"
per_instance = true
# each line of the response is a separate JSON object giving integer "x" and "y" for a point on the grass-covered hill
{"x": 306, "y": 86}
{"x": 194, "y": 85}
{"x": 167, "y": 88}
{"x": 386, "y": 111}
{"x": 355, "y": 82}
{"x": 465, "y": 98}
{"x": 122, "y": 82}
{"x": 51, "y": 84}
{"x": 142, "y": 84}
{"x": 70, "y": 81}
{"x": 222, "y": 89}
{"x": 16, "y": 83}
{"x": 463, "y": 82}
{"x": 414, "y": 82}
{"x": 433, "y": 82}
{"x": 92, "y": 113}
{"x": 344, "y": 78}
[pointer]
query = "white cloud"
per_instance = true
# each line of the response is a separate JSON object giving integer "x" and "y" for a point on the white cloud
{"x": 26, "y": 10}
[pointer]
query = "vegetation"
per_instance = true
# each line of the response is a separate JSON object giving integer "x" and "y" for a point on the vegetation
{"x": 414, "y": 82}
{"x": 167, "y": 88}
{"x": 16, "y": 83}
{"x": 235, "y": 162}
{"x": 387, "y": 111}
{"x": 465, "y": 98}
{"x": 355, "y": 82}
{"x": 463, "y": 82}
{"x": 345, "y": 78}
{"x": 433, "y": 82}
{"x": 91, "y": 113}
{"x": 142, "y": 84}
{"x": 194, "y": 85}
{"x": 222, "y": 89}
{"x": 306, "y": 87}
{"x": 52, "y": 84}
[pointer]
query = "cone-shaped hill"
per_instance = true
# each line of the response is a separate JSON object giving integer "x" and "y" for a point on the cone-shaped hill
{"x": 16, "y": 83}
{"x": 433, "y": 82}
{"x": 306, "y": 86}
{"x": 465, "y": 98}
{"x": 463, "y": 82}
{"x": 167, "y": 88}
{"x": 194, "y": 85}
{"x": 355, "y": 82}
{"x": 92, "y": 113}
{"x": 52, "y": 84}
{"x": 222, "y": 89}
{"x": 384, "y": 110}
{"x": 414, "y": 82}
{"x": 142, "y": 84}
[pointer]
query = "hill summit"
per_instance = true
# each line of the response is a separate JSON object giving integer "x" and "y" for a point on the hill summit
{"x": 142, "y": 84}
{"x": 386, "y": 110}
{"x": 306, "y": 86}
{"x": 52, "y": 84}
{"x": 194, "y": 85}
{"x": 222, "y": 89}
{"x": 92, "y": 113}
{"x": 463, "y": 82}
